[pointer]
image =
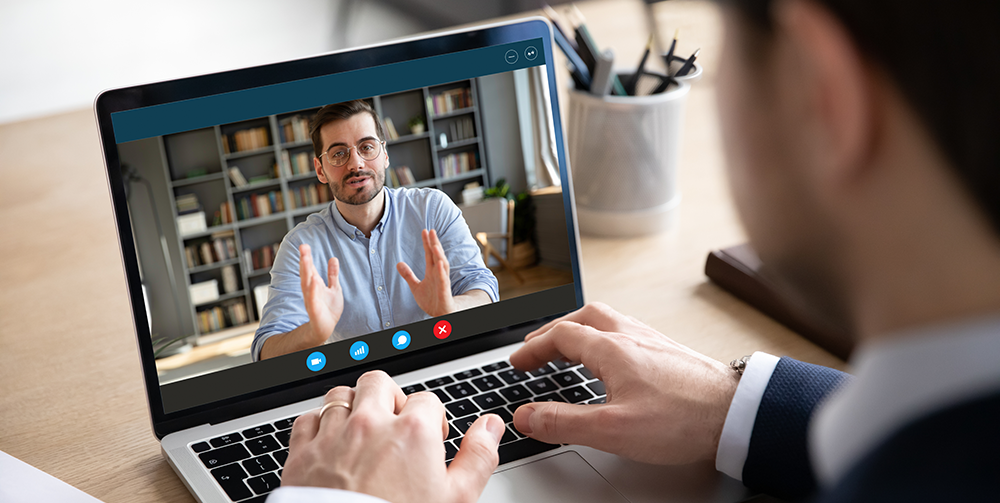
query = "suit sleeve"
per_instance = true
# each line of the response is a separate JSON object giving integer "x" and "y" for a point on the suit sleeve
{"x": 778, "y": 460}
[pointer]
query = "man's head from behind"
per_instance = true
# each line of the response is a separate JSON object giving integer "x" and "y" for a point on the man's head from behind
{"x": 858, "y": 130}
{"x": 349, "y": 145}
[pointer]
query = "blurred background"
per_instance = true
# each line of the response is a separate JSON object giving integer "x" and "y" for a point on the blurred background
{"x": 59, "y": 54}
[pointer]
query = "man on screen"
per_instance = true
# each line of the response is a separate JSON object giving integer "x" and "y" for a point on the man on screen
{"x": 355, "y": 267}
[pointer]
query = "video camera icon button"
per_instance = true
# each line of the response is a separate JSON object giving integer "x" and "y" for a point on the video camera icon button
{"x": 315, "y": 361}
{"x": 442, "y": 329}
{"x": 359, "y": 350}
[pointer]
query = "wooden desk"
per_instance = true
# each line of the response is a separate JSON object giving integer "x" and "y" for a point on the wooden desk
{"x": 73, "y": 401}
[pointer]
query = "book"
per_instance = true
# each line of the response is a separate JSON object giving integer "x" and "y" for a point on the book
{"x": 294, "y": 129}
{"x": 450, "y": 100}
{"x": 245, "y": 140}
{"x": 237, "y": 177}
{"x": 390, "y": 129}
{"x": 229, "y": 281}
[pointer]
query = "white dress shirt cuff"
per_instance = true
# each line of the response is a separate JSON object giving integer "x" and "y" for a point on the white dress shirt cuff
{"x": 734, "y": 444}
{"x": 319, "y": 495}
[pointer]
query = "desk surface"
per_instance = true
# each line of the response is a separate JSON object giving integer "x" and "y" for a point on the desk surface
{"x": 73, "y": 401}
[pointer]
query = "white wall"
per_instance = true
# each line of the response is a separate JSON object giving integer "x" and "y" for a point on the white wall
{"x": 57, "y": 55}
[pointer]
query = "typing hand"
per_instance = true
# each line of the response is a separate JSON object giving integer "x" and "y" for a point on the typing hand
{"x": 391, "y": 446}
{"x": 666, "y": 404}
{"x": 324, "y": 304}
{"x": 433, "y": 294}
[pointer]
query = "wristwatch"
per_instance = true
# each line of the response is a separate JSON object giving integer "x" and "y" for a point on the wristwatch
{"x": 740, "y": 365}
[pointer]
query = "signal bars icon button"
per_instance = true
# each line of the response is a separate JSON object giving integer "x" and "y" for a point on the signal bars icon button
{"x": 359, "y": 350}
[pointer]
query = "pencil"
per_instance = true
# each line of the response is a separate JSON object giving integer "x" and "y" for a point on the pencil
{"x": 688, "y": 65}
{"x": 669, "y": 56}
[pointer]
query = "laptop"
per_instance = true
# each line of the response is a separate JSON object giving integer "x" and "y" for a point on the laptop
{"x": 209, "y": 174}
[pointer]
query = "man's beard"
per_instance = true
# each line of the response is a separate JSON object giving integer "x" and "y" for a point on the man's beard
{"x": 345, "y": 194}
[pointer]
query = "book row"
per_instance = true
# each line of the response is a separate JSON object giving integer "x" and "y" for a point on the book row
{"x": 261, "y": 258}
{"x": 259, "y": 205}
{"x": 219, "y": 317}
{"x": 450, "y": 100}
{"x": 219, "y": 249}
{"x": 400, "y": 176}
{"x": 455, "y": 164}
{"x": 246, "y": 139}
{"x": 309, "y": 195}
{"x": 294, "y": 129}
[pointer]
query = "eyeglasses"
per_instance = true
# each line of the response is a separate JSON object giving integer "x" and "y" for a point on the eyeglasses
{"x": 368, "y": 150}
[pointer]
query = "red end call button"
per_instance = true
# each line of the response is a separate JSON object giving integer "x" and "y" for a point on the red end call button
{"x": 442, "y": 329}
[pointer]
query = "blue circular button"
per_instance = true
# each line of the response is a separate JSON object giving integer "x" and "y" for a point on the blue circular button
{"x": 316, "y": 361}
{"x": 359, "y": 350}
{"x": 401, "y": 339}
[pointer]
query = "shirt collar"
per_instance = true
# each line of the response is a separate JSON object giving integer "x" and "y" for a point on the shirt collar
{"x": 349, "y": 230}
{"x": 900, "y": 379}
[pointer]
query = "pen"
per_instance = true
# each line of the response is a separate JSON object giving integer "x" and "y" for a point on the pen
{"x": 634, "y": 81}
{"x": 600, "y": 85}
{"x": 669, "y": 56}
{"x": 688, "y": 65}
{"x": 588, "y": 48}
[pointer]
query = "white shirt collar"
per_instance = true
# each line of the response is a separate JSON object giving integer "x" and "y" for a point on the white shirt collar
{"x": 898, "y": 380}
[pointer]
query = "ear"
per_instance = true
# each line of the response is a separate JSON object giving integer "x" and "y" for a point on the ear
{"x": 837, "y": 85}
{"x": 318, "y": 166}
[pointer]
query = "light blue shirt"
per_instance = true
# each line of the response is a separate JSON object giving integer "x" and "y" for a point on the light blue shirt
{"x": 375, "y": 296}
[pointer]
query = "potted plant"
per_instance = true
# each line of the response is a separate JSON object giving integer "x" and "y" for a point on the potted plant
{"x": 523, "y": 253}
{"x": 417, "y": 125}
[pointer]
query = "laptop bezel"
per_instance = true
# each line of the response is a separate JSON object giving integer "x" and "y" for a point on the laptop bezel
{"x": 157, "y": 93}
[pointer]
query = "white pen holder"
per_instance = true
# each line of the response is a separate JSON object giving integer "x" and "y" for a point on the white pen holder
{"x": 624, "y": 152}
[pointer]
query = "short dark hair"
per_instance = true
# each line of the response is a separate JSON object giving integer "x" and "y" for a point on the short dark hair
{"x": 944, "y": 57}
{"x": 339, "y": 112}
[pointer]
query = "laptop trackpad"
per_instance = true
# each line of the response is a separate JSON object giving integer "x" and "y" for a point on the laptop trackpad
{"x": 564, "y": 477}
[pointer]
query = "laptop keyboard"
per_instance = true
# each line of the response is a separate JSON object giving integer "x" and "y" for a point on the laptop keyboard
{"x": 247, "y": 464}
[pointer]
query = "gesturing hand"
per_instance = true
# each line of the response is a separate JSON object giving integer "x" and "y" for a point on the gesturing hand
{"x": 666, "y": 404}
{"x": 324, "y": 304}
{"x": 390, "y": 446}
{"x": 433, "y": 294}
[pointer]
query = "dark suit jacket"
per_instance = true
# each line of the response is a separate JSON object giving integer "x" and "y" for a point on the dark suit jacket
{"x": 950, "y": 455}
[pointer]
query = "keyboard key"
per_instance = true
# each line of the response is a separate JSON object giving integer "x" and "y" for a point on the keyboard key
{"x": 515, "y": 393}
{"x": 586, "y": 373}
{"x": 440, "y": 381}
{"x": 449, "y": 451}
{"x": 513, "y": 406}
{"x": 541, "y": 385}
{"x": 261, "y": 445}
{"x": 413, "y": 388}
{"x": 489, "y": 400}
{"x": 468, "y": 374}
{"x": 461, "y": 408}
{"x": 598, "y": 400}
{"x": 543, "y": 370}
{"x": 514, "y": 376}
{"x": 567, "y": 378}
{"x": 522, "y": 449}
{"x": 281, "y": 456}
{"x": 563, "y": 364}
{"x": 232, "y": 438}
{"x": 502, "y": 412}
{"x": 493, "y": 367}
{"x": 263, "y": 429}
{"x": 597, "y": 387}
{"x": 201, "y": 447}
{"x": 224, "y": 456}
{"x": 258, "y": 499}
{"x": 487, "y": 383}
{"x": 441, "y": 395}
{"x": 285, "y": 424}
{"x": 231, "y": 479}
{"x": 284, "y": 437}
{"x": 465, "y": 423}
{"x": 259, "y": 465}
{"x": 452, "y": 432}
{"x": 508, "y": 436}
{"x": 550, "y": 397}
{"x": 576, "y": 394}
{"x": 264, "y": 484}
{"x": 461, "y": 390}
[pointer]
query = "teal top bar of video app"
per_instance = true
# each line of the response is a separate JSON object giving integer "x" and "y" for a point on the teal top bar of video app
{"x": 235, "y": 106}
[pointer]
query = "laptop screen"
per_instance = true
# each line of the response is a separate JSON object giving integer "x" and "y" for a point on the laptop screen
{"x": 307, "y": 227}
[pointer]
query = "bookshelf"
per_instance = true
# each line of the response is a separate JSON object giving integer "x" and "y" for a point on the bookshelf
{"x": 247, "y": 215}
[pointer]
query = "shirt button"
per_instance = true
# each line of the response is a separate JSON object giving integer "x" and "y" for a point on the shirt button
{"x": 380, "y": 289}
{"x": 387, "y": 323}
{"x": 373, "y": 250}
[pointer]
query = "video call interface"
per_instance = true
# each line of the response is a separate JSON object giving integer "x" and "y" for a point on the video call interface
{"x": 470, "y": 236}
